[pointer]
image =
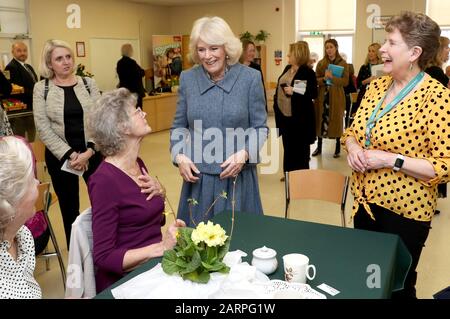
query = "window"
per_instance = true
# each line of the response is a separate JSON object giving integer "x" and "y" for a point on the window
{"x": 330, "y": 25}
{"x": 13, "y": 17}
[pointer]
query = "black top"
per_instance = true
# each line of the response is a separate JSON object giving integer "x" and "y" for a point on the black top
{"x": 176, "y": 66}
{"x": 25, "y": 78}
{"x": 5, "y": 86}
{"x": 73, "y": 120}
{"x": 130, "y": 75}
{"x": 364, "y": 73}
{"x": 256, "y": 66}
{"x": 437, "y": 73}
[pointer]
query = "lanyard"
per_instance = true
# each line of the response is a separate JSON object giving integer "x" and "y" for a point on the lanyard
{"x": 400, "y": 96}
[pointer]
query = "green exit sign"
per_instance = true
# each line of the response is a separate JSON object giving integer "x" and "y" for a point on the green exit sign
{"x": 315, "y": 33}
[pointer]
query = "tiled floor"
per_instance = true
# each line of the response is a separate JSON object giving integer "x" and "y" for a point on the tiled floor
{"x": 434, "y": 267}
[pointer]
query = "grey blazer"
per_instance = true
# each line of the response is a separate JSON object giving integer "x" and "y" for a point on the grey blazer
{"x": 215, "y": 120}
{"x": 49, "y": 114}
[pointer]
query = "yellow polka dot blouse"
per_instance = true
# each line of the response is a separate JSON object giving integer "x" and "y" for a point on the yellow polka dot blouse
{"x": 417, "y": 127}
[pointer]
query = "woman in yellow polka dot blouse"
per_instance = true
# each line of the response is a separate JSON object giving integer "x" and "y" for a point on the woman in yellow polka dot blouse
{"x": 399, "y": 143}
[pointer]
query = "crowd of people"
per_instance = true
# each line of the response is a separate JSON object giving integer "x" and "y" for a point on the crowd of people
{"x": 395, "y": 145}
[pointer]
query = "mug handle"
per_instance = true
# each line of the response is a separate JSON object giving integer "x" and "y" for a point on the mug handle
{"x": 314, "y": 272}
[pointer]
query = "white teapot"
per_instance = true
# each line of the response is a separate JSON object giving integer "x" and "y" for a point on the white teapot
{"x": 265, "y": 260}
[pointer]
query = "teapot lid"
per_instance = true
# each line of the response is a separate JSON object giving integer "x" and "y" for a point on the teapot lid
{"x": 264, "y": 253}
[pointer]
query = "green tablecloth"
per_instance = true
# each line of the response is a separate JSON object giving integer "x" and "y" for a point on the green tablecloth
{"x": 345, "y": 258}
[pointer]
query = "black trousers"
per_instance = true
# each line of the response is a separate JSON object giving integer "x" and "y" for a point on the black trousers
{"x": 413, "y": 233}
{"x": 296, "y": 151}
{"x": 66, "y": 187}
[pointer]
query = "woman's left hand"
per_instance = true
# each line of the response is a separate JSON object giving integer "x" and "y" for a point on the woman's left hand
{"x": 233, "y": 165}
{"x": 328, "y": 75}
{"x": 376, "y": 159}
{"x": 150, "y": 186}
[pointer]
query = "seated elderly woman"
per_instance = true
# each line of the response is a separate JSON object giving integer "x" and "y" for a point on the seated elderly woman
{"x": 127, "y": 204}
{"x": 18, "y": 194}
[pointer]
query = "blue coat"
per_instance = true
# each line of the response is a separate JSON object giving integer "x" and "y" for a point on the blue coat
{"x": 235, "y": 102}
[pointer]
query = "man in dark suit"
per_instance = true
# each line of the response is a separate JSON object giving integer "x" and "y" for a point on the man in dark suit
{"x": 130, "y": 73}
{"x": 23, "y": 75}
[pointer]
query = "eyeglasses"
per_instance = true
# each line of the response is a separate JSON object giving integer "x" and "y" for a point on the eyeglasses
{"x": 140, "y": 112}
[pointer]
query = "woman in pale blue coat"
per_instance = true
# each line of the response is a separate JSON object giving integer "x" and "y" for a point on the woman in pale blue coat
{"x": 219, "y": 125}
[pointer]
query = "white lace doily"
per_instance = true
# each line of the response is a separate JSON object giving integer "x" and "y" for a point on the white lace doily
{"x": 303, "y": 291}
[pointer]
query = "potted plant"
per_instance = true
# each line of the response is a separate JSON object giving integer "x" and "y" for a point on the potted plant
{"x": 262, "y": 36}
{"x": 246, "y": 36}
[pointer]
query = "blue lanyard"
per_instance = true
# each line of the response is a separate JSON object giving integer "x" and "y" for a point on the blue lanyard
{"x": 374, "y": 117}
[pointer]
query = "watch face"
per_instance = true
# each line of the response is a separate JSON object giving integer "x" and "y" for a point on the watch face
{"x": 398, "y": 163}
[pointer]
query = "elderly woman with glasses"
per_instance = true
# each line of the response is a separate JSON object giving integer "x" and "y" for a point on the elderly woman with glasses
{"x": 127, "y": 204}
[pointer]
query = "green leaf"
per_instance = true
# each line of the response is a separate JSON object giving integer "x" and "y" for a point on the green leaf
{"x": 211, "y": 252}
{"x": 169, "y": 262}
{"x": 214, "y": 267}
{"x": 225, "y": 270}
{"x": 195, "y": 263}
{"x": 194, "y": 276}
{"x": 223, "y": 249}
{"x": 185, "y": 234}
{"x": 189, "y": 250}
{"x": 181, "y": 263}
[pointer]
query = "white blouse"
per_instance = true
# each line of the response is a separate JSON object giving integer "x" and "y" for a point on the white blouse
{"x": 16, "y": 276}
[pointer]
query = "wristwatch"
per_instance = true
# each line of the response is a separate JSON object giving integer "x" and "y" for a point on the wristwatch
{"x": 398, "y": 162}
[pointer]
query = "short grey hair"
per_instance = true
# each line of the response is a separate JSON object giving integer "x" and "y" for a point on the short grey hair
{"x": 16, "y": 169}
{"x": 109, "y": 120}
{"x": 215, "y": 31}
{"x": 127, "y": 50}
{"x": 45, "y": 69}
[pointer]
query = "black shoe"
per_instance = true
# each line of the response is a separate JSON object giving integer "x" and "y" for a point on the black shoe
{"x": 336, "y": 155}
{"x": 437, "y": 212}
{"x": 318, "y": 151}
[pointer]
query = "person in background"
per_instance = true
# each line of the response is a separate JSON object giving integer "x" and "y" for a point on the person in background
{"x": 61, "y": 106}
{"x": 294, "y": 107}
{"x": 330, "y": 104}
{"x": 18, "y": 194}
{"x": 313, "y": 58}
{"x": 175, "y": 64}
{"x": 365, "y": 72}
{"x": 350, "y": 88}
{"x": 127, "y": 204}
{"x": 395, "y": 145}
{"x": 130, "y": 73}
{"x": 247, "y": 58}
{"x": 22, "y": 74}
{"x": 447, "y": 71}
{"x": 225, "y": 98}
{"x": 435, "y": 71}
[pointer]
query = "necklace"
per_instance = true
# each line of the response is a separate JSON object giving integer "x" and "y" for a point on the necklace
{"x": 400, "y": 96}
{"x": 130, "y": 172}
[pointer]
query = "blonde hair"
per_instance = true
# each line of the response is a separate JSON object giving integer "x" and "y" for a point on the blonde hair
{"x": 300, "y": 52}
{"x": 437, "y": 60}
{"x": 16, "y": 170}
{"x": 109, "y": 120}
{"x": 377, "y": 47}
{"x": 215, "y": 31}
{"x": 45, "y": 69}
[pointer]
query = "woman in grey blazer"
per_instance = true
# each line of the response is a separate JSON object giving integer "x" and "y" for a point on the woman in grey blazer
{"x": 61, "y": 107}
{"x": 219, "y": 125}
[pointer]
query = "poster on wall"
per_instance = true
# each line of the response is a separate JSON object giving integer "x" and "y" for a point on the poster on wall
{"x": 167, "y": 61}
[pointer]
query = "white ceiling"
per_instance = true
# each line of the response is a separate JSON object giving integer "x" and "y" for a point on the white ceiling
{"x": 171, "y": 3}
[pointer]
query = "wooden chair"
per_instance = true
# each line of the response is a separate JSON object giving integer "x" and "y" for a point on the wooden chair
{"x": 43, "y": 203}
{"x": 317, "y": 184}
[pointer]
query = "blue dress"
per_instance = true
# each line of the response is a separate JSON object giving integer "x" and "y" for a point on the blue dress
{"x": 213, "y": 121}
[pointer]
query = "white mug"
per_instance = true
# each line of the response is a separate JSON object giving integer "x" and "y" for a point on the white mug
{"x": 296, "y": 268}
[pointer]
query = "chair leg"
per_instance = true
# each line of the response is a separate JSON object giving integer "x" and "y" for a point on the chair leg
{"x": 57, "y": 250}
{"x": 286, "y": 188}
{"x": 47, "y": 261}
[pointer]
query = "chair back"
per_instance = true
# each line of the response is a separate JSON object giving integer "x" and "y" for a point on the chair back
{"x": 39, "y": 150}
{"x": 317, "y": 184}
{"x": 43, "y": 203}
{"x": 81, "y": 272}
